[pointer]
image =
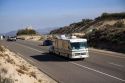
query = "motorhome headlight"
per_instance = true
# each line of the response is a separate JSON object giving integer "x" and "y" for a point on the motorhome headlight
{"x": 83, "y": 53}
{"x": 73, "y": 54}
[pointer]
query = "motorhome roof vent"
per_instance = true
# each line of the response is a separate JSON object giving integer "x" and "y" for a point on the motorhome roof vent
{"x": 73, "y": 37}
{"x": 63, "y": 37}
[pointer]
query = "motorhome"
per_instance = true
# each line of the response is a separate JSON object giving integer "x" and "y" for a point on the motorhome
{"x": 72, "y": 48}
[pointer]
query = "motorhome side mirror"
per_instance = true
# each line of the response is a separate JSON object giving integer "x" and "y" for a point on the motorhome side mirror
{"x": 69, "y": 47}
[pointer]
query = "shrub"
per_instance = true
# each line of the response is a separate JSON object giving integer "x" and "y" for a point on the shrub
{"x": 5, "y": 80}
{"x": 33, "y": 74}
{"x": 2, "y": 48}
{"x": 111, "y": 16}
{"x": 20, "y": 71}
{"x": 3, "y": 70}
{"x": 119, "y": 24}
{"x": 109, "y": 35}
{"x": 22, "y": 67}
{"x": 9, "y": 60}
{"x": 26, "y": 32}
{"x": 41, "y": 38}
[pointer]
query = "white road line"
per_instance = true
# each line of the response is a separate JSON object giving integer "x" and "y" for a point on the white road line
{"x": 29, "y": 43}
{"x": 121, "y": 56}
{"x": 116, "y": 64}
{"x": 98, "y": 71}
{"x": 82, "y": 66}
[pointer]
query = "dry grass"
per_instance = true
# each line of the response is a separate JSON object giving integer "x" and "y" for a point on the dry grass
{"x": 1, "y": 55}
{"x": 33, "y": 74}
{"x": 2, "y": 49}
{"x": 13, "y": 68}
{"x": 40, "y": 80}
{"x": 9, "y": 60}
{"x": 41, "y": 38}
{"x": 3, "y": 70}
{"x": 6, "y": 80}
{"x": 20, "y": 71}
{"x": 22, "y": 67}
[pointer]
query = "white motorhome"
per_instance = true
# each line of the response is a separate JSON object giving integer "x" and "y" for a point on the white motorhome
{"x": 70, "y": 47}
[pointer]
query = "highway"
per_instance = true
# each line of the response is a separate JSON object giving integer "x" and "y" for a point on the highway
{"x": 100, "y": 67}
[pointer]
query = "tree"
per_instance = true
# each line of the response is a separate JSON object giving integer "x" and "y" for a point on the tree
{"x": 26, "y": 32}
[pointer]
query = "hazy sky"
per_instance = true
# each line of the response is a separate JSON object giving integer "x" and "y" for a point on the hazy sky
{"x": 15, "y": 14}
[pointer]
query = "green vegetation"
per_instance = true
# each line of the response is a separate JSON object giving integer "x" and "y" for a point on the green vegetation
{"x": 108, "y": 38}
{"x": 41, "y": 38}
{"x": 86, "y": 23}
{"x": 82, "y": 23}
{"x": 26, "y": 32}
{"x": 119, "y": 24}
{"x": 111, "y": 16}
{"x": 112, "y": 35}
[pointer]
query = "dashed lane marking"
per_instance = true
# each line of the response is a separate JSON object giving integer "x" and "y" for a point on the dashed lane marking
{"x": 116, "y": 64}
{"x": 98, "y": 71}
{"x": 83, "y": 66}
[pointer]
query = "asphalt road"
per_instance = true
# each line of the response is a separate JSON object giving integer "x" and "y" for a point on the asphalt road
{"x": 100, "y": 67}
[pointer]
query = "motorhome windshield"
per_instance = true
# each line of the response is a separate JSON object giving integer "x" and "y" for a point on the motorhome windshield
{"x": 78, "y": 45}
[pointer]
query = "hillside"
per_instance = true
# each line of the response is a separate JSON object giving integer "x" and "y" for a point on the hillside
{"x": 105, "y": 32}
{"x": 11, "y": 33}
{"x": 86, "y": 25}
{"x": 107, "y": 38}
{"x": 72, "y": 28}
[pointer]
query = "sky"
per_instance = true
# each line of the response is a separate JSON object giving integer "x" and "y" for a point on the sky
{"x": 44, "y": 14}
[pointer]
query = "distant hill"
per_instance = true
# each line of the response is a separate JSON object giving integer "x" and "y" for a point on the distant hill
{"x": 11, "y": 33}
{"x": 39, "y": 31}
{"x": 2, "y": 33}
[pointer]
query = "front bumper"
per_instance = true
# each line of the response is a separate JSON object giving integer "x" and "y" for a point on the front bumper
{"x": 79, "y": 55}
